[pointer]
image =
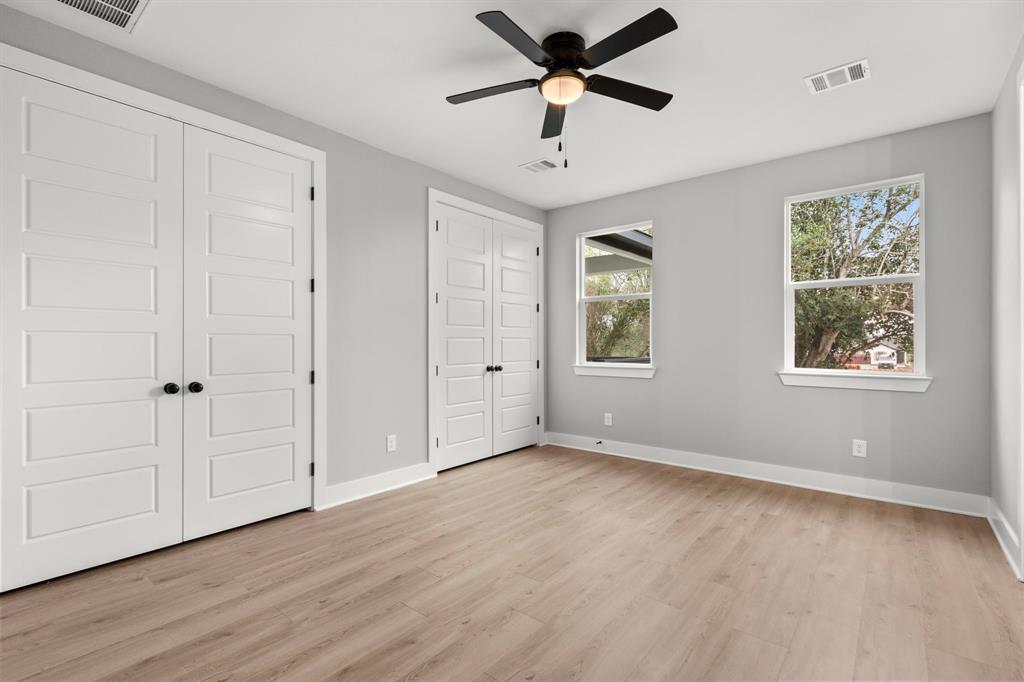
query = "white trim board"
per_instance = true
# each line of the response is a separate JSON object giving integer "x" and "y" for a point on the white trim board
{"x": 843, "y": 484}
{"x": 1008, "y": 540}
{"x": 1019, "y": 556}
{"x": 41, "y": 67}
{"x": 350, "y": 491}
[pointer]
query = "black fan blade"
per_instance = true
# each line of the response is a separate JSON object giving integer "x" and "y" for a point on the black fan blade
{"x": 515, "y": 36}
{"x": 628, "y": 92}
{"x": 554, "y": 117}
{"x": 640, "y": 32}
{"x": 493, "y": 90}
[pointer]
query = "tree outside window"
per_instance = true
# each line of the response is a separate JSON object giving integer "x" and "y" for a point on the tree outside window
{"x": 855, "y": 277}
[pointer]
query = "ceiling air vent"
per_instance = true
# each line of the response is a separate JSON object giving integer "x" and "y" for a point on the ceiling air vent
{"x": 120, "y": 13}
{"x": 538, "y": 166}
{"x": 838, "y": 77}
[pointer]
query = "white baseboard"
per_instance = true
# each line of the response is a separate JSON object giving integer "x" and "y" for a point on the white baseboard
{"x": 349, "y": 491}
{"x": 870, "y": 488}
{"x": 1007, "y": 538}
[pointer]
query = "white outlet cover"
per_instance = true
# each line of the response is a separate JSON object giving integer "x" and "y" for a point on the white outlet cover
{"x": 860, "y": 448}
{"x": 607, "y": 418}
{"x": 392, "y": 442}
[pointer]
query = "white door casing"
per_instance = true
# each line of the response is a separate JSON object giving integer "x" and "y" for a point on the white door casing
{"x": 464, "y": 302}
{"x": 90, "y": 237}
{"x": 516, "y": 315}
{"x": 248, "y": 313}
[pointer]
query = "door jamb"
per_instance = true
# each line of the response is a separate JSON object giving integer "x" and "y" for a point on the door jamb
{"x": 1019, "y": 125}
{"x": 436, "y": 197}
{"x": 32, "y": 64}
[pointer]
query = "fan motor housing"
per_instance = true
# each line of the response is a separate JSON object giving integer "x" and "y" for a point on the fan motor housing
{"x": 565, "y": 48}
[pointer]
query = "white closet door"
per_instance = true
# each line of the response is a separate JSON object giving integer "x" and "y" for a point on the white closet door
{"x": 516, "y": 314}
{"x": 463, "y": 273}
{"x": 248, "y": 338}
{"x": 90, "y": 241}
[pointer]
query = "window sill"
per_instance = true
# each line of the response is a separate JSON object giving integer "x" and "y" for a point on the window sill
{"x": 627, "y": 371}
{"x": 912, "y": 383}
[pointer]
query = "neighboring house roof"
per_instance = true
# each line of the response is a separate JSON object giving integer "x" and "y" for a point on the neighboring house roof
{"x": 888, "y": 343}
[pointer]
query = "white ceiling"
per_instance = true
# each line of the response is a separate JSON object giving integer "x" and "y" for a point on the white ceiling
{"x": 379, "y": 72}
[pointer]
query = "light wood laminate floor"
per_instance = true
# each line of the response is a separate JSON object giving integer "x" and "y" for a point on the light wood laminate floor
{"x": 544, "y": 564}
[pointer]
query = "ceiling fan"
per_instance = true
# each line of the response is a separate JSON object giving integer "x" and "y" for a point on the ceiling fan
{"x": 563, "y": 54}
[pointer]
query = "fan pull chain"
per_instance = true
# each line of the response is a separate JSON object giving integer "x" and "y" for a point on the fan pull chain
{"x": 565, "y": 154}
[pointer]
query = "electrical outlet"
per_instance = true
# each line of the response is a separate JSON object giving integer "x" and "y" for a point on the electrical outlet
{"x": 392, "y": 442}
{"x": 607, "y": 418}
{"x": 860, "y": 448}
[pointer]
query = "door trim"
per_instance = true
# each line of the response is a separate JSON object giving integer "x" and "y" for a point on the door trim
{"x": 435, "y": 198}
{"x": 32, "y": 64}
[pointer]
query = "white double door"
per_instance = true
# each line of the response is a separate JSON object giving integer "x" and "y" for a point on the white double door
{"x": 139, "y": 255}
{"x": 487, "y": 315}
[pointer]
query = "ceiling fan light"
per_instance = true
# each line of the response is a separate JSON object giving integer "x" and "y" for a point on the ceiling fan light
{"x": 563, "y": 88}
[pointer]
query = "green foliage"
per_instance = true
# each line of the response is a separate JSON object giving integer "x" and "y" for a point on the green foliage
{"x": 618, "y": 329}
{"x": 855, "y": 235}
{"x": 834, "y": 324}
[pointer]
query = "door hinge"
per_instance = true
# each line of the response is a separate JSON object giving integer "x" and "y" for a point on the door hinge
{"x": 538, "y": 419}
{"x": 538, "y": 250}
{"x": 437, "y": 442}
{"x": 312, "y": 193}
{"x": 538, "y": 364}
{"x": 312, "y": 377}
{"x": 437, "y": 297}
{"x": 312, "y": 469}
{"x": 437, "y": 225}
{"x": 538, "y": 307}
{"x": 436, "y": 371}
{"x": 312, "y": 285}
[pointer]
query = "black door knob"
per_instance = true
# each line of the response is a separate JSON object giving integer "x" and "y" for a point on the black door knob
{"x": 195, "y": 387}
{"x": 171, "y": 388}
{"x": 489, "y": 368}
{"x": 498, "y": 368}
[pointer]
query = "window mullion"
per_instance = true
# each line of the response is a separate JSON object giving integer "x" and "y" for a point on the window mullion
{"x": 908, "y": 278}
{"x": 618, "y": 297}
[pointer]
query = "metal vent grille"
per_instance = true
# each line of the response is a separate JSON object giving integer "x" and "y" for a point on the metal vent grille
{"x": 120, "y": 13}
{"x": 838, "y": 77}
{"x": 538, "y": 166}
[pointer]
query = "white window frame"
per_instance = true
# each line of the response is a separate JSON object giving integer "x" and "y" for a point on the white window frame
{"x": 630, "y": 370}
{"x": 791, "y": 375}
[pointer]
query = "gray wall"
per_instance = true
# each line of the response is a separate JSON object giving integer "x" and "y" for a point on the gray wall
{"x": 718, "y": 299}
{"x": 1006, "y": 303}
{"x": 376, "y": 253}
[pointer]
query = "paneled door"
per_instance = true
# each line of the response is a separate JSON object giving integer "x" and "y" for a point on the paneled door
{"x": 248, "y": 307}
{"x": 485, "y": 324}
{"x": 91, "y": 248}
{"x": 516, "y": 312}
{"x": 463, "y": 276}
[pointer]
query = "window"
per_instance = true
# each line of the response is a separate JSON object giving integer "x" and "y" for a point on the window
{"x": 614, "y": 296}
{"x": 855, "y": 287}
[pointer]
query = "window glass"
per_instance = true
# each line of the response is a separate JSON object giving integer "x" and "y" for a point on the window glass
{"x": 619, "y": 331}
{"x": 873, "y": 235}
{"x": 863, "y": 234}
{"x": 869, "y": 328}
{"x": 615, "y": 301}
